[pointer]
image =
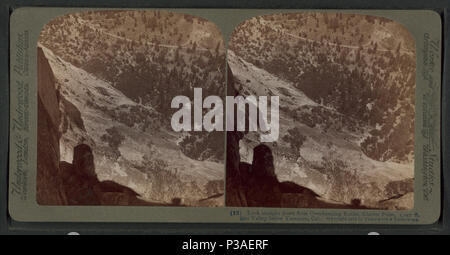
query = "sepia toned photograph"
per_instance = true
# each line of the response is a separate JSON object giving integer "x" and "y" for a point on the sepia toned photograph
{"x": 229, "y": 116}
{"x": 346, "y": 87}
{"x": 106, "y": 80}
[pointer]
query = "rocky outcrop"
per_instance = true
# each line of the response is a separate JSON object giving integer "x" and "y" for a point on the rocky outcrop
{"x": 49, "y": 182}
{"x": 263, "y": 189}
{"x": 82, "y": 187}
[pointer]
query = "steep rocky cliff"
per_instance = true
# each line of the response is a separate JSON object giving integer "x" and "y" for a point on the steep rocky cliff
{"x": 235, "y": 189}
{"x": 60, "y": 182}
{"x": 49, "y": 182}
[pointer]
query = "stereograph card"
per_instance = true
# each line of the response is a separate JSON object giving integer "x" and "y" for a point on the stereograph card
{"x": 225, "y": 115}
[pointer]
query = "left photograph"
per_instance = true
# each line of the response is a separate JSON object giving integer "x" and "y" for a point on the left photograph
{"x": 106, "y": 80}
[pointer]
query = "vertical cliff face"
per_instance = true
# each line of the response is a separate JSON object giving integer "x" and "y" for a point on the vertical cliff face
{"x": 235, "y": 192}
{"x": 49, "y": 181}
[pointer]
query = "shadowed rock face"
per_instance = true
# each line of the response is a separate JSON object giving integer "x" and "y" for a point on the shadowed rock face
{"x": 83, "y": 161}
{"x": 71, "y": 115}
{"x": 263, "y": 186}
{"x": 263, "y": 162}
{"x": 235, "y": 188}
{"x": 49, "y": 182}
{"x": 82, "y": 186}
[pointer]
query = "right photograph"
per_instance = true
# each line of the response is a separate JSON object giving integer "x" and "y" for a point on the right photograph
{"x": 346, "y": 88}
